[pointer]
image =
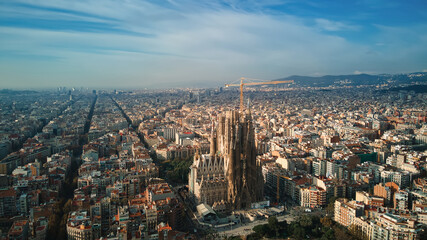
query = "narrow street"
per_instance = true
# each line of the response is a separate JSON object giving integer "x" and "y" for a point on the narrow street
{"x": 58, "y": 231}
{"x": 189, "y": 221}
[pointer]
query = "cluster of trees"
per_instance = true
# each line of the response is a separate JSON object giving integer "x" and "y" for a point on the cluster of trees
{"x": 177, "y": 170}
{"x": 305, "y": 227}
{"x": 273, "y": 229}
{"x": 58, "y": 218}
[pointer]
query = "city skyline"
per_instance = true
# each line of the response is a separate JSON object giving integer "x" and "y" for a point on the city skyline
{"x": 154, "y": 44}
{"x": 116, "y": 164}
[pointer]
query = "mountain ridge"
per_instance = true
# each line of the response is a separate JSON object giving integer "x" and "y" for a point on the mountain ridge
{"x": 358, "y": 79}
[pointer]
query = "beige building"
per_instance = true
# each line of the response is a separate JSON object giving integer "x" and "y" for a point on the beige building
{"x": 383, "y": 226}
{"x": 79, "y": 226}
{"x": 346, "y": 212}
{"x": 312, "y": 197}
{"x": 381, "y": 190}
{"x": 206, "y": 179}
{"x": 395, "y": 228}
{"x": 367, "y": 199}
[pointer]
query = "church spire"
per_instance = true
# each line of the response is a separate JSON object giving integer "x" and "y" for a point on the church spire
{"x": 213, "y": 140}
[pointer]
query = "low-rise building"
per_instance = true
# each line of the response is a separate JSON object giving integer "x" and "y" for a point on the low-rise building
{"x": 345, "y": 212}
{"x": 79, "y": 226}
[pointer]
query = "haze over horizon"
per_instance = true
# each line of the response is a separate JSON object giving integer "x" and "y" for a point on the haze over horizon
{"x": 157, "y": 44}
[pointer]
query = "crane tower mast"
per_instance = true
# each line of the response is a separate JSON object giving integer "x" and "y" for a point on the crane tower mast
{"x": 253, "y": 84}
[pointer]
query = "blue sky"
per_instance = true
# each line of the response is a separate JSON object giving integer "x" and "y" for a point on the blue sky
{"x": 162, "y": 44}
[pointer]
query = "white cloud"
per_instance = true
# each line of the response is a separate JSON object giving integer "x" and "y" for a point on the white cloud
{"x": 328, "y": 25}
{"x": 188, "y": 44}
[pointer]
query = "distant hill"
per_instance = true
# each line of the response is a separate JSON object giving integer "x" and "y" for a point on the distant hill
{"x": 358, "y": 79}
{"x": 414, "y": 88}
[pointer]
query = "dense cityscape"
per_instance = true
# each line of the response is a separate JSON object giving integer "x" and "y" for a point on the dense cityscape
{"x": 213, "y": 120}
{"x": 294, "y": 162}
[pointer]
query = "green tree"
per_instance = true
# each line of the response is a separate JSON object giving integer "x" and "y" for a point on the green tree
{"x": 326, "y": 221}
{"x": 283, "y": 228}
{"x": 341, "y": 233}
{"x": 233, "y": 238}
{"x": 54, "y": 222}
{"x": 254, "y": 236}
{"x": 212, "y": 234}
{"x": 423, "y": 233}
{"x": 305, "y": 221}
{"x": 298, "y": 232}
{"x": 329, "y": 235}
{"x": 262, "y": 230}
{"x": 177, "y": 170}
{"x": 331, "y": 205}
{"x": 273, "y": 224}
{"x": 68, "y": 207}
{"x": 62, "y": 231}
{"x": 356, "y": 233}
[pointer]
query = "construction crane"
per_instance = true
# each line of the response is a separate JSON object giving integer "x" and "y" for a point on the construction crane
{"x": 253, "y": 84}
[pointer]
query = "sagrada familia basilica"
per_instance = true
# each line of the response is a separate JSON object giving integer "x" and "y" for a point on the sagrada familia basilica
{"x": 229, "y": 177}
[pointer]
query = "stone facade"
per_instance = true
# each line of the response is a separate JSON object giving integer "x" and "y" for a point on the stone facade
{"x": 207, "y": 181}
{"x": 230, "y": 173}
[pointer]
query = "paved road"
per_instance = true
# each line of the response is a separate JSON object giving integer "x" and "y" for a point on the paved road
{"x": 246, "y": 229}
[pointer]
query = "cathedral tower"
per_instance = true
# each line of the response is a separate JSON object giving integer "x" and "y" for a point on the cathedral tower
{"x": 230, "y": 173}
{"x": 235, "y": 142}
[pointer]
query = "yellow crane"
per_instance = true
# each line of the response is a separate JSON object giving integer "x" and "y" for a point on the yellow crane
{"x": 253, "y": 84}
